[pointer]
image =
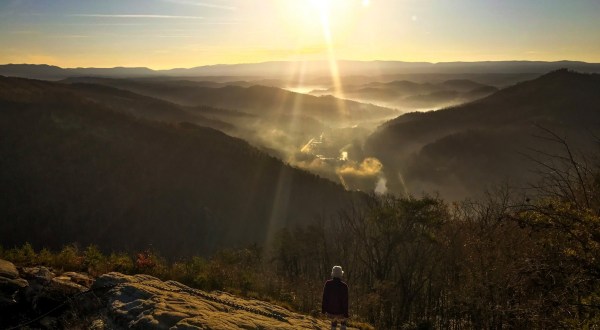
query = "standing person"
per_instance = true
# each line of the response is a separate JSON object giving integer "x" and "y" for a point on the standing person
{"x": 335, "y": 299}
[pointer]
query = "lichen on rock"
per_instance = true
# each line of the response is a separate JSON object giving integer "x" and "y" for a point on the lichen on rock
{"x": 145, "y": 302}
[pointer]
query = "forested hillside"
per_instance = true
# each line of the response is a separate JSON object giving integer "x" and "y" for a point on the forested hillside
{"x": 461, "y": 150}
{"x": 257, "y": 100}
{"x": 76, "y": 170}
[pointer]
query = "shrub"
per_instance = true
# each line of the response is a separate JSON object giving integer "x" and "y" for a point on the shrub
{"x": 120, "y": 262}
{"x": 45, "y": 258}
{"x": 94, "y": 261}
{"x": 69, "y": 259}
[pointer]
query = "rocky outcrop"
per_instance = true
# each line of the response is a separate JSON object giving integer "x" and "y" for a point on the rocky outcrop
{"x": 10, "y": 283}
{"x": 8, "y": 269}
{"x": 28, "y": 292}
{"x": 46, "y": 298}
{"x": 145, "y": 302}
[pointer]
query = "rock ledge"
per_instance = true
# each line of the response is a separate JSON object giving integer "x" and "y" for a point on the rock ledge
{"x": 145, "y": 302}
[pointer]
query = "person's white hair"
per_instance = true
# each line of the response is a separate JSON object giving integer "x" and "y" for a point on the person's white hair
{"x": 337, "y": 271}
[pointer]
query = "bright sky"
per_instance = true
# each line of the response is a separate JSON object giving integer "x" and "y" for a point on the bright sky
{"x": 185, "y": 33}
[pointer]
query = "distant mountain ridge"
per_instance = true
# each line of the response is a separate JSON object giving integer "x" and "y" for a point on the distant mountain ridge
{"x": 51, "y": 72}
{"x": 289, "y": 68}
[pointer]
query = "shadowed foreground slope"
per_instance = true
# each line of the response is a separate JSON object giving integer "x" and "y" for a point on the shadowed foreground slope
{"x": 73, "y": 170}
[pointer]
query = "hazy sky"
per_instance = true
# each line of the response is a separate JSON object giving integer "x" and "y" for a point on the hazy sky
{"x": 187, "y": 33}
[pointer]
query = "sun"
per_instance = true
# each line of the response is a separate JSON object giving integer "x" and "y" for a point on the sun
{"x": 323, "y": 6}
{"x": 320, "y": 21}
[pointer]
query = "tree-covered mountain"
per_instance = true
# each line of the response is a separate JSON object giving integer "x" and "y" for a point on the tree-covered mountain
{"x": 258, "y": 100}
{"x": 37, "y": 91}
{"x": 73, "y": 168}
{"x": 463, "y": 149}
{"x": 276, "y": 120}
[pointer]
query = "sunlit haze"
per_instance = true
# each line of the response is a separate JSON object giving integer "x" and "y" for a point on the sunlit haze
{"x": 185, "y": 33}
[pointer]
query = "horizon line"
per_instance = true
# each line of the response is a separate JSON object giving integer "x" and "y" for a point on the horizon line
{"x": 135, "y": 16}
{"x": 293, "y": 61}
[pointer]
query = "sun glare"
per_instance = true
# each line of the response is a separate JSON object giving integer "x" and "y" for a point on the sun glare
{"x": 323, "y": 8}
{"x": 308, "y": 21}
{"x": 321, "y": 4}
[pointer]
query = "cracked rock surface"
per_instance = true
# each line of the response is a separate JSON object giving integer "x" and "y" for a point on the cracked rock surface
{"x": 145, "y": 302}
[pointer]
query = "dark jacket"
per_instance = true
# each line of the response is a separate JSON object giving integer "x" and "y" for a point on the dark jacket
{"x": 335, "y": 297}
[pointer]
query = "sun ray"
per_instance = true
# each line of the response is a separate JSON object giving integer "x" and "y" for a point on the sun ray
{"x": 324, "y": 9}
